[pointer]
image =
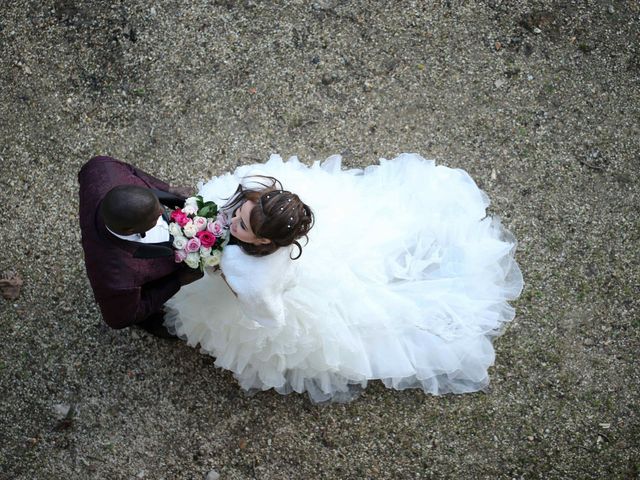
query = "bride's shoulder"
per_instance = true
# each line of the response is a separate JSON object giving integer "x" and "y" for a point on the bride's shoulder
{"x": 234, "y": 255}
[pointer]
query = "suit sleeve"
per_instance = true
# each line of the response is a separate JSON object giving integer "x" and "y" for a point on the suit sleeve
{"x": 111, "y": 172}
{"x": 125, "y": 307}
{"x": 150, "y": 180}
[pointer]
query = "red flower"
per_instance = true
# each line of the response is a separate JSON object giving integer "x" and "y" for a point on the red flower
{"x": 179, "y": 217}
{"x": 207, "y": 239}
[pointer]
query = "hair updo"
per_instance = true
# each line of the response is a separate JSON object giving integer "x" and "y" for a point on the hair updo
{"x": 279, "y": 215}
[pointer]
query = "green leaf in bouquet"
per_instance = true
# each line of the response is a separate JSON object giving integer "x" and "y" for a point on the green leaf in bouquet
{"x": 210, "y": 209}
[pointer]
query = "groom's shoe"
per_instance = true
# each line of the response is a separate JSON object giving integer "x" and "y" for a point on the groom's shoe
{"x": 153, "y": 325}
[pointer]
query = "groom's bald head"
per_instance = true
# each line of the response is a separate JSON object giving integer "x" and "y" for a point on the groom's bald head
{"x": 128, "y": 209}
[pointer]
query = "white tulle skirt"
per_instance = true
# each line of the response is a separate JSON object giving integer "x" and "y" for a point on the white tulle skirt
{"x": 404, "y": 279}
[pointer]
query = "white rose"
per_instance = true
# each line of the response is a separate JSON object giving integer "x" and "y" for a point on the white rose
{"x": 175, "y": 230}
{"x": 200, "y": 223}
{"x": 191, "y": 201}
{"x": 190, "y": 209}
{"x": 212, "y": 260}
{"x": 205, "y": 251}
{"x": 190, "y": 229}
{"x": 193, "y": 260}
{"x": 179, "y": 242}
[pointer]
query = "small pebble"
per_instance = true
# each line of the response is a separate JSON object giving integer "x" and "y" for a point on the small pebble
{"x": 61, "y": 410}
{"x": 329, "y": 78}
{"x": 323, "y": 5}
{"x": 213, "y": 475}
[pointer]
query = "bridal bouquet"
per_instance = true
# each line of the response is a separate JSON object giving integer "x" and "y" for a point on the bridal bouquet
{"x": 199, "y": 232}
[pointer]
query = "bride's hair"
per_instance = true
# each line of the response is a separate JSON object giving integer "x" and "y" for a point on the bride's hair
{"x": 279, "y": 215}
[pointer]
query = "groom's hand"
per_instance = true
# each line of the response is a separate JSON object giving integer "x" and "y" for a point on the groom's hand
{"x": 188, "y": 275}
{"x": 183, "y": 192}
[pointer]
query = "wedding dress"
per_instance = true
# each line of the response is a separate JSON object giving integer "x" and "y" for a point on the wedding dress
{"x": 404, "y": 279}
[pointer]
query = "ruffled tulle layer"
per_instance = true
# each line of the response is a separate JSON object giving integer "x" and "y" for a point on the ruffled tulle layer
{"x": 404, "y": 279}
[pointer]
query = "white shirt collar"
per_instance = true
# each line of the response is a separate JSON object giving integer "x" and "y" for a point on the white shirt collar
{"x": 158, "y": 234}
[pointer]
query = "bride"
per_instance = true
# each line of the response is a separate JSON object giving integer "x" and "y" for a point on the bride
{"x": 393, "y": 273}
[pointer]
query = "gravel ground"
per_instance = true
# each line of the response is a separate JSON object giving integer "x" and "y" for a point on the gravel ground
{"x": 539, "y": 101}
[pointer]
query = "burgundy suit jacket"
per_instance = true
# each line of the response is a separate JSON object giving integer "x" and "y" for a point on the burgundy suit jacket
{"x": 130, "y": 280}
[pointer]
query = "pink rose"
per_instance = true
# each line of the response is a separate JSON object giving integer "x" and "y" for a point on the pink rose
{"x": 216, "y": 228}
{"x": 200, "y": 223}
{"x": 180, "y": 255}
{"x": 193, "y": 245}
{"x": 222, "y": 219}
{"x": 207, "y": 239}
{"x": 179, "y": 217}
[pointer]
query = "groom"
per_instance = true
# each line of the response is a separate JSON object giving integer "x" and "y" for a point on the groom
{"x": 126, "y": 242}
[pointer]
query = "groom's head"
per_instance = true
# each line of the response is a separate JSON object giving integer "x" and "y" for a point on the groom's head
{"x": 129, "y": 209}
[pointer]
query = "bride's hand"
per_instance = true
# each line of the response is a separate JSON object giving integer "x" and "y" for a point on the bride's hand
{"x": 212, "y": 270}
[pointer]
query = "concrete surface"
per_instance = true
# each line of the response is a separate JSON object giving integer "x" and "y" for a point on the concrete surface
{"x": 539, "y": 101}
